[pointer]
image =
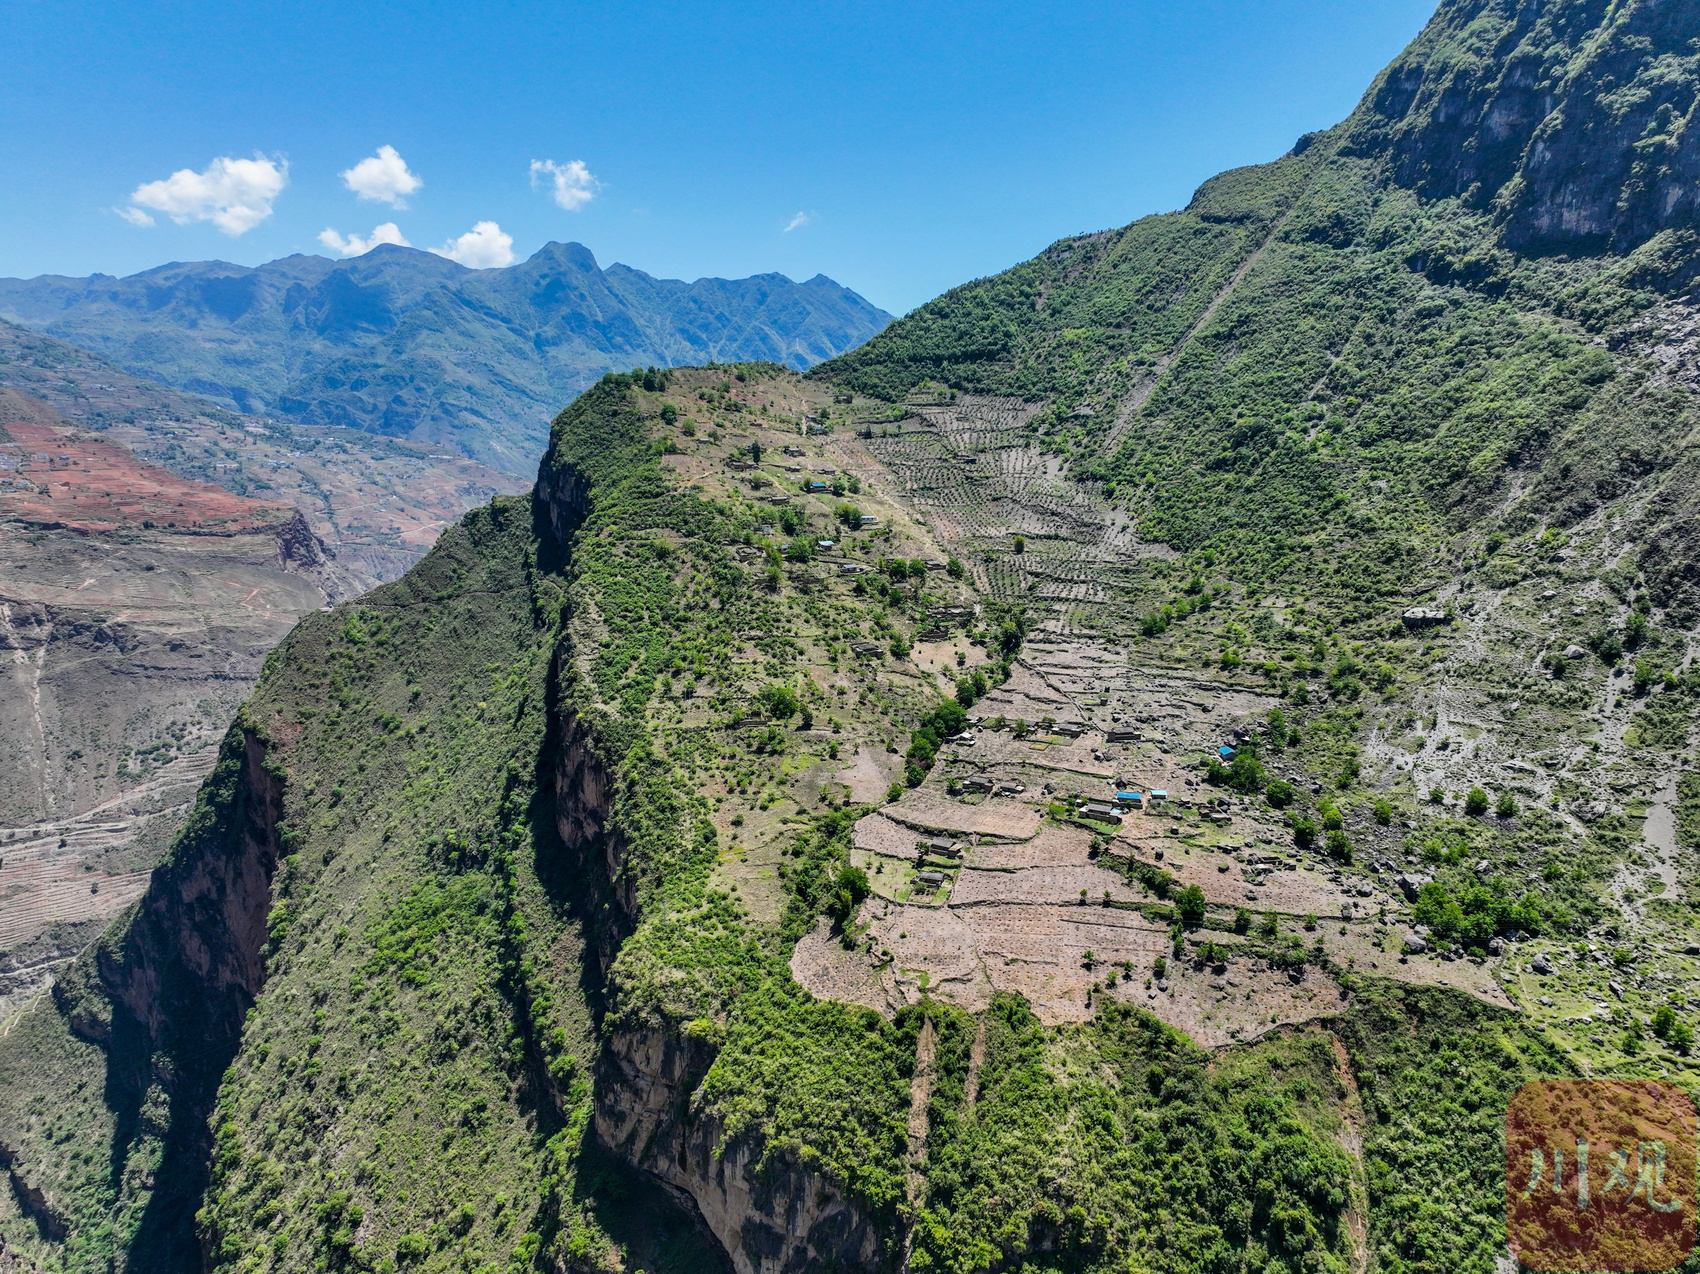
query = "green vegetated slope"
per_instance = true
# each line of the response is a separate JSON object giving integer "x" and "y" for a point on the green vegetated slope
{"x": 491, "y": 953}
{"x": 1342, "y": 356}
{"x": 454, "y": 936}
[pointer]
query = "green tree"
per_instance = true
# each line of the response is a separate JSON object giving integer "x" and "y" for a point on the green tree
{"x": 777, "y": 702}
{"x": 1190, "y": 906}
{"x": 955, "y": 569}
{"x": 1279, "y": 793}
{"x": 849, "y": 889}
{"x": 1384, "y": 811}
{"x": 1506, "y": 806}
{"x": 1437, "y": 909}
{"x": 1476, "y": 803}
{"x": 1019, "y": 544}
{"x": 1635, "y": 630}
{"x": 1646, "y": 673}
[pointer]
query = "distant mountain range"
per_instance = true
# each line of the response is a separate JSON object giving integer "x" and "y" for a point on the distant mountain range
{"x": 406, "y": 343}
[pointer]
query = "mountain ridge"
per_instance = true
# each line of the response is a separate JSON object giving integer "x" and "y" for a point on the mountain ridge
{"x": 403, "y": 342}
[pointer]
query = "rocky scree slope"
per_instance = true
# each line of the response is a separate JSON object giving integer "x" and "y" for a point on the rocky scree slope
{"x": 407, "y": 344}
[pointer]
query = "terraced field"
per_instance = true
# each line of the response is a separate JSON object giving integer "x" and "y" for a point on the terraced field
{"x": 1055, "y": 909}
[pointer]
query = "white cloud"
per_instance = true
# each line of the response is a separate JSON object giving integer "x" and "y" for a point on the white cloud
{"x": 484, "y": 247}
{"x": 135, "y": 216}
{"x": 571, "y": 184}
{"x": 234, "y": 194}
{"x": 355, "y": 246}
{"x": 797, "y": 222}
{"x": 383, "y": 177}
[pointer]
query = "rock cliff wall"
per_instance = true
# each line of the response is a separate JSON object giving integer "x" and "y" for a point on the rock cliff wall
{"x": 1570, "y": 119}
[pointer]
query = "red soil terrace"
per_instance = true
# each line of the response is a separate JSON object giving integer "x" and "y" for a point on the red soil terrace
{"x": 53, "y": 474}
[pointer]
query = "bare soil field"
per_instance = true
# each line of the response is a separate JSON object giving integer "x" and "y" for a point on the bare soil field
{"x": 377, "y": 502}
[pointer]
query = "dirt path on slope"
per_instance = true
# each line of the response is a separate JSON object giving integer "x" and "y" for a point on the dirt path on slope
{"x": 1352, "y": 1142}
{"x": 1141, "y": 393}
{"x": 920, "y": 1098}
{"x": 976, "y": 1059}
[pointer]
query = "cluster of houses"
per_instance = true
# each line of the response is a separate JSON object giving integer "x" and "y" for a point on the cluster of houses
{"x": 932, "y": 874}
{"x": 1113, "y": 811}
{"x": 985, "y": 783}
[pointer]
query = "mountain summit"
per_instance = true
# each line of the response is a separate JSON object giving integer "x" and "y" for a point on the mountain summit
{"x": 404, "y": 342}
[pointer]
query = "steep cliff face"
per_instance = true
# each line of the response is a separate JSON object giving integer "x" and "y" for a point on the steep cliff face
{"x": 773, "y": 1219}
{"x": 139, "y": 1033}
{"x": 1573, "y": 120}
{"x": 777, "y": 1218}
{"x": 124, "y": 654}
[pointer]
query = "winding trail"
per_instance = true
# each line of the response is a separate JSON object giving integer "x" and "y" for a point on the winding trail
{"x": 1131, "y": 406}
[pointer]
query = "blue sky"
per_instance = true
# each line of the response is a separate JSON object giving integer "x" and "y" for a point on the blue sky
{"x": 907, "y": 146}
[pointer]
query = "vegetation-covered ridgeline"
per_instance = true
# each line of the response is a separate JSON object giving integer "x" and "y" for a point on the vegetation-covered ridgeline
{"x": 629, "y": 888}
{"x": 1398, "y": 334}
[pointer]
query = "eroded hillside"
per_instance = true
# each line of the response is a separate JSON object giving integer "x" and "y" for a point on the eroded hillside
{"x": 135, "y": 610}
